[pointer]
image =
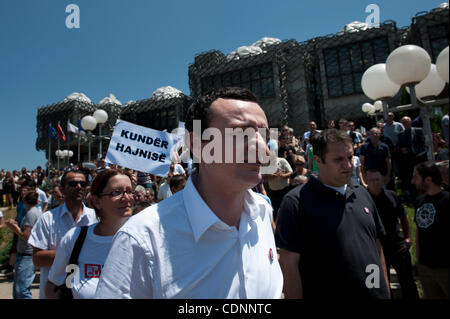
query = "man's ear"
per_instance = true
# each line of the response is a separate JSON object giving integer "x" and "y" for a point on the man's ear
{"x": 318, "y": 159}
{"x": 428, "y": 180}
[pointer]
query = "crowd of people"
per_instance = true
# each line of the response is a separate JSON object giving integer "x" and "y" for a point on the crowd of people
{"x": 332, "y": 205}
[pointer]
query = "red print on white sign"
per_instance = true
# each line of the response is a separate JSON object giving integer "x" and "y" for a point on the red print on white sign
{"x": 92, "y": 271}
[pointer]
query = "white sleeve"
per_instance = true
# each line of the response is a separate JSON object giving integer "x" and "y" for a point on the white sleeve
{"x": 43, "y": 196}
{"x": 57, "y": 274}
{"x": 126, "y": 273}
{"x": 40, "y": 234}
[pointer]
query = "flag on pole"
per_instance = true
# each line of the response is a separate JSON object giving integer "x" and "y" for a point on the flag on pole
{"x": 80, "y": 128}
{"x": 52, "y": 132}
{"x": 61, "y": 134}
{"x": 71, "y": 128}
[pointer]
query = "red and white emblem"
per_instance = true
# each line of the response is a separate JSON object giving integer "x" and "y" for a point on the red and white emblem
{"x": 92, "y": 271}
{"x": 366, "y": 210}
{"x": 270, "y": 255}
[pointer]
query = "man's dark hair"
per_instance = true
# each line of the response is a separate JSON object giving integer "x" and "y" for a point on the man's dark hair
{"x": 320, "y": 141}
{"x": 199, "y": 110}
{"x": 63, "y": 178}
{"x": 27, "y": 182}
{"x": 176, "y": 181}
{"x": 374, "y": 171}
{"x": 426, "y": 169}
{"x": 31, "y": 198}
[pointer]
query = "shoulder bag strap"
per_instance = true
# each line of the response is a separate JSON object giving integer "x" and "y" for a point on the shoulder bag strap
{"x": 78, "y": 245}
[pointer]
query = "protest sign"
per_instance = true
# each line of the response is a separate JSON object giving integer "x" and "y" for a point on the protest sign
{"x": 141, "y": 148}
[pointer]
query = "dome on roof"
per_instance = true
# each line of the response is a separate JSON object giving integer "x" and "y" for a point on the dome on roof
{"x": 78, "y": 97}
{"x": 166, "y": 92}
{"x": 110, "y": 100}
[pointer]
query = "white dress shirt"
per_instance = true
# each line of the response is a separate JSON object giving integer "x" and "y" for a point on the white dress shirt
{"x": 51, "y": 227}
{"x": 180, "y": 249}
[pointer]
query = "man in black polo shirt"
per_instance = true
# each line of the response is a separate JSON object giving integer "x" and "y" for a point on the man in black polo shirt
{"x": 328, "y": 230}
{"x": 396, "y": 243}
{"x": 433, "y": 224}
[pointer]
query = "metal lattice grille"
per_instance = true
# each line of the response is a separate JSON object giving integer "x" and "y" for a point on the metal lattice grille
{"x": 438, "y": 39}
{"x": 345, "y": 65}
{"x": 258, "y": 79}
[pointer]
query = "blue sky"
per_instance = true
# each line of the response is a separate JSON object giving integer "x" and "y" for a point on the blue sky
{"x": 131, "y": 48}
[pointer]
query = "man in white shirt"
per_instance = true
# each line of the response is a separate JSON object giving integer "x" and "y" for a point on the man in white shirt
{"x": 213, "y": 239}
{"x": 53, "y": 225}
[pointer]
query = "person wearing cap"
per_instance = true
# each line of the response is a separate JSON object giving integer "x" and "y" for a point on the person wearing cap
{"x": 213, "y": 239}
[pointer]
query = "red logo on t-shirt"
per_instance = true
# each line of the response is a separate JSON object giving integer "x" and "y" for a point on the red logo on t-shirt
{"x": 92, "y": 271}
{"x": 270, "y": 255}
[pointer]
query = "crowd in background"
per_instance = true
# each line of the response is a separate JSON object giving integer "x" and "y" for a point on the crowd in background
{"x": 390, "y": 147}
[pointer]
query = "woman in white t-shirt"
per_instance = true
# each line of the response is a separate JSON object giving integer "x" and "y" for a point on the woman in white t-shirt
{"x": 111, "y": 195}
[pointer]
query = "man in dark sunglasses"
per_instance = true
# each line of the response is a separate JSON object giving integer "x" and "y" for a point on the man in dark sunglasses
{"x": 53, "y": 225}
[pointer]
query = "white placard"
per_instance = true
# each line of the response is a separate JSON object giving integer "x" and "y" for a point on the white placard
{"x": 140, "y": 148}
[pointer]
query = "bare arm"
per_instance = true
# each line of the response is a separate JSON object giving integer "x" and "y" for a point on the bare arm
{"x": 362, "y": 159}
{"x": 404, "y": 221}
{"x": 43, "y": 258}
{"x": 50, "y": 291}
{"x": 263, "y": 190}
{"x": 383, "y": 264}
{"x": 387, "y": 178}
{"x": 12, "y": 225}
{"x": 44, "y": 208}
{"x": 289, "y": 262}
{"x": 360, "y": 176}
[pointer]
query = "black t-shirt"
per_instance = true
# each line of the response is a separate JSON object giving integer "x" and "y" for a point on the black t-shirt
{"x": 390, "y": 210}
{"x": 375, "y": 156}
{"x": 433, "y": 225}
{"x": 335, "y": 236}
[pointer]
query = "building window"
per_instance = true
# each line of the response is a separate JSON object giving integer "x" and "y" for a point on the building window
{"x": 438, "y": 36}
{"x": 345, "y": 65}
{"x": 258, "y": 79}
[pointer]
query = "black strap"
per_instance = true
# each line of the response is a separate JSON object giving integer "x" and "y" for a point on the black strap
{"x": 78, "y": 245}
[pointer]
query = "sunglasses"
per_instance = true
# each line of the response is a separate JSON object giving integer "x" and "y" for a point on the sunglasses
{"x": 75, "y": 183}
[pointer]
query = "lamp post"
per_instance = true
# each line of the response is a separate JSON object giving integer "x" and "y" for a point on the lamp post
{"x": 442, "y": 64}
{"x": 409, "y": 66}
{"x": 376, "y": 85}
{"x": 101, "y": 117}
{"x": 372, "y": 110}
{"x": 68, "y": 154}
{"x": 88, "y": 123}
{"x": 60, "y": 155}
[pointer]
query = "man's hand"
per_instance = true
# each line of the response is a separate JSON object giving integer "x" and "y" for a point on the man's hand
{"x": 407, "y": 246}
{"x": 12, "y": 225}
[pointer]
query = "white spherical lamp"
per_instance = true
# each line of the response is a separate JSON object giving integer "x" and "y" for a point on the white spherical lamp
{"x": 408, "y": 64}
{"x": 367, "y": 107}
{"x": 376, "y": 84}
{"x": 70, "y": 154}
{"x": 442, "y": 64}
{"x": 101, "y": 116}
{"x": 58, "y": 153}
{"x": 431, "y": 86}
{"x": 378, "y": 105}
{"x": 88, "y": 123}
